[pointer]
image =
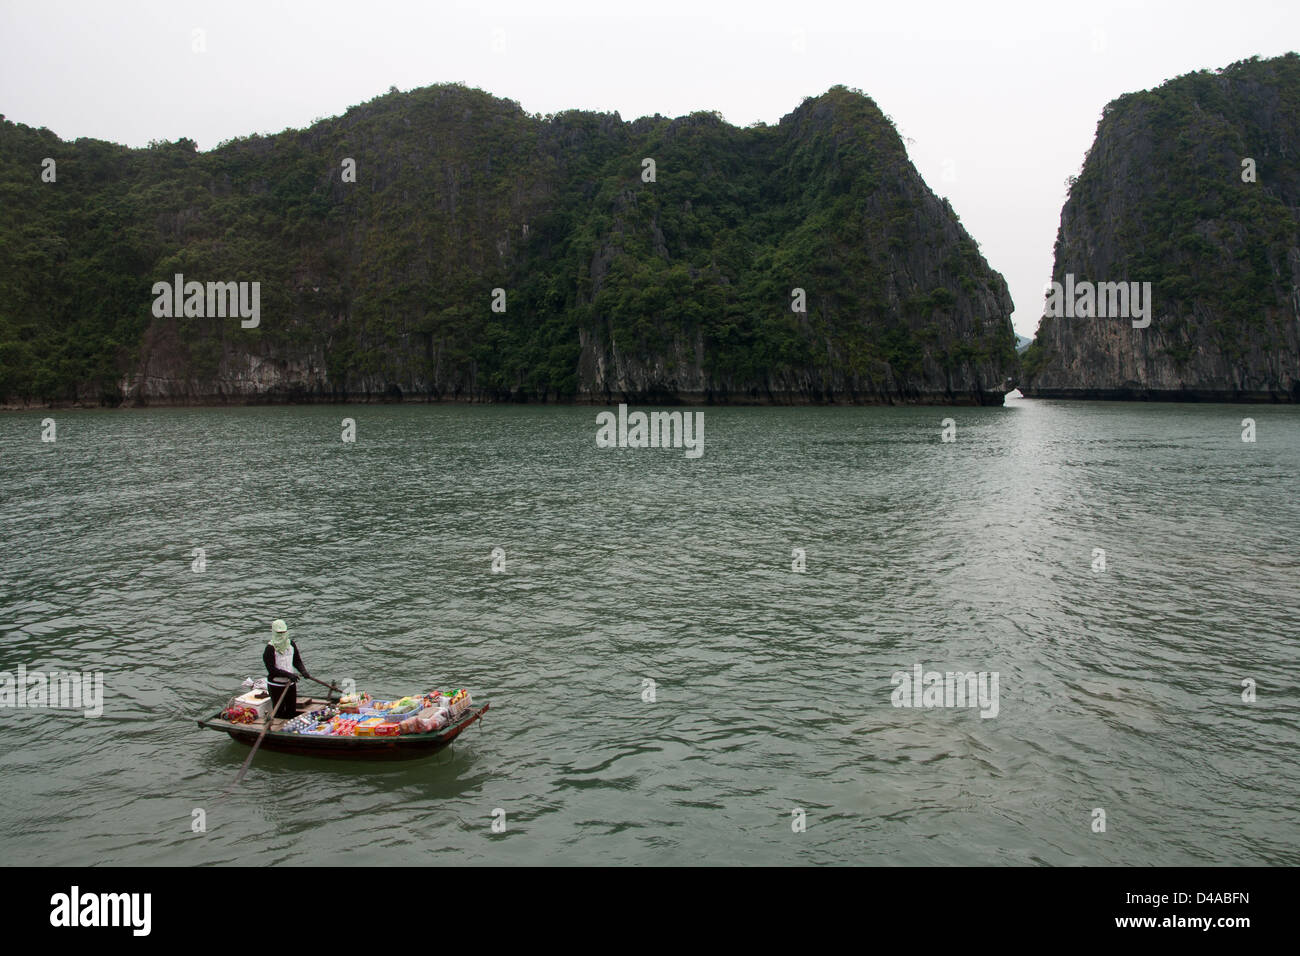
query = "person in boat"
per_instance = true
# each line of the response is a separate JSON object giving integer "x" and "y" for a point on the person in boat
{"x": 282, "y": 656}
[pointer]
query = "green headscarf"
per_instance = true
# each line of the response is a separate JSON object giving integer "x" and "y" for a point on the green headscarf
{"x": 280, "y": 637}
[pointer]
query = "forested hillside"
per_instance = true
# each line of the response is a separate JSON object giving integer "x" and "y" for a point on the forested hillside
{"x": 1193, "y": 187}
{"x": 613, "y": 286}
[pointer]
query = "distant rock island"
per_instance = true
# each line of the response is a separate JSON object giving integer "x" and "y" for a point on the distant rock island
{"x": 442, "y": 244}
{"x": 1191, "y": 193}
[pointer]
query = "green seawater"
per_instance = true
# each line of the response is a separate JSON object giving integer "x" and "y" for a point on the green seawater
{"x": 772, "y": 736}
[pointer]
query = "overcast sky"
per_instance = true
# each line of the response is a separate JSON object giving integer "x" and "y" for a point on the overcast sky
{"x": 998, "y": 101}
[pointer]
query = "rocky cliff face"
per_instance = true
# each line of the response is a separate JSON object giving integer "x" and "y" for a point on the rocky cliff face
{"x": 1194, "y": 188}
{"x": 481, "y": 254}
{"x": 897, "y": 302}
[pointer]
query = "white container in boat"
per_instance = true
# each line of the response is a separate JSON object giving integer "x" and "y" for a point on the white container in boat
{"x": 262, "y": 705}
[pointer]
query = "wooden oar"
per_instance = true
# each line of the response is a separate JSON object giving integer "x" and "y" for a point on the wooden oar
{"x": 249, "y": 759}
{"x": 322, "y": 683}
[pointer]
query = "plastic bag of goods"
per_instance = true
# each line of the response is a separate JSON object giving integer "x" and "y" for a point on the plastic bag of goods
{"x": 436, "y": 721}
{"x": 239, "y": 715}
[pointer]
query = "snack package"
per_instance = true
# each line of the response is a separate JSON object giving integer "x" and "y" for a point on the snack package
{"x": 352, "y": 703}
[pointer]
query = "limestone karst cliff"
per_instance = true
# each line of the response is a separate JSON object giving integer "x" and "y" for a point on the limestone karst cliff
{"x": 1194, "y": 188}
{"x": 442, "y": 244}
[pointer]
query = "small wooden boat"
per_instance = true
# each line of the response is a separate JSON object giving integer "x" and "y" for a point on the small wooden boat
{"x": 402, "y": 747}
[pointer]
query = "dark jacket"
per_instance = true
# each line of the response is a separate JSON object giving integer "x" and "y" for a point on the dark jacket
{"x": 268, "y": 658}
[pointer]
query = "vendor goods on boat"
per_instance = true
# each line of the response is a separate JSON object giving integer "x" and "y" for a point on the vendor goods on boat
{"x": 356, "y": 725}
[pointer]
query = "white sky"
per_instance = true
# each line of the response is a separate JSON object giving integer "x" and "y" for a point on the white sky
{"x": 999, "y": 100}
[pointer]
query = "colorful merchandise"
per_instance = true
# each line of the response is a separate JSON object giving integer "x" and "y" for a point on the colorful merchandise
{"x": 240, "y": 715}
{"x": 310, "y": 722}
{"x": 353, "y": 703}
{"x": 359, "y": 715}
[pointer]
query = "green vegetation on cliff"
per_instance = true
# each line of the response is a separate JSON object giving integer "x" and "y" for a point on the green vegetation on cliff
{"x": 613, "y": 284}
{"x": 1195, "y": 188}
